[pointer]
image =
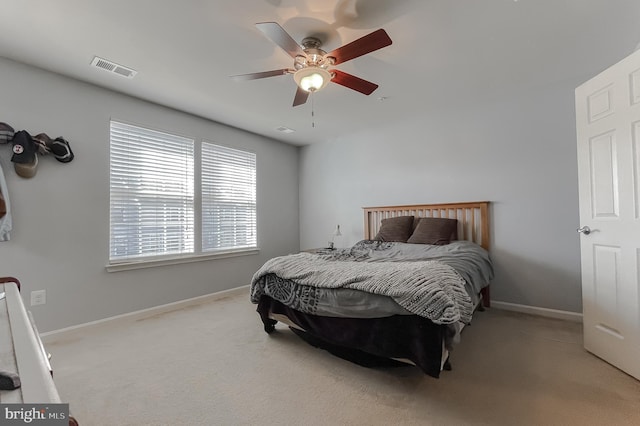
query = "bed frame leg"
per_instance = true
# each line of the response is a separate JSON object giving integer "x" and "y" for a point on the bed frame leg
{"x": 486, "y": 297}
{"x": 447, "y": 365}
{"x": 263, "y": 311}
{"x": 270, "y": 326}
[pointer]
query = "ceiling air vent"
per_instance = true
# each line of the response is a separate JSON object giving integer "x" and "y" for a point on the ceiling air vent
{"x": 113, "y": 67}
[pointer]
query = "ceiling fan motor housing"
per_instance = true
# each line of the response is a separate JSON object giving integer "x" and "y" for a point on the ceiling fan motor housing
{"x": 314, "y": 56}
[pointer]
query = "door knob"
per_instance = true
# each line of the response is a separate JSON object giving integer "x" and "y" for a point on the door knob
{"x": 584, "y": 230}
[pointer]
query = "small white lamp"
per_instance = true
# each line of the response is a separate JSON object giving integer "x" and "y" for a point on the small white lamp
{"x": 335, "y": 234}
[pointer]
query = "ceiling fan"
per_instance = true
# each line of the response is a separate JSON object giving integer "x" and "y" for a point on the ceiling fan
{"x": 311, "y": 65}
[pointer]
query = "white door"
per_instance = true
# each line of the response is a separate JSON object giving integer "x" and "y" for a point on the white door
{"x": 608, "y": 131}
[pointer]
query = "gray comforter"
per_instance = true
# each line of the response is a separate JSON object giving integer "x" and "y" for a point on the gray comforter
{"x": 467, "y": 258}
{"x": 374, "y": 279}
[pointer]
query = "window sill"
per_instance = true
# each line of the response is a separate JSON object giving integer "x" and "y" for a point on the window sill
{"x": 127, "y": 266}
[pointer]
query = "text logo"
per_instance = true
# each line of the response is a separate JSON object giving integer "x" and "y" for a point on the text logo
{"x": 34, "y": 414}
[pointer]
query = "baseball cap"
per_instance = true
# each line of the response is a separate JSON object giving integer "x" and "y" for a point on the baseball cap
{"x": 24, "y": 158}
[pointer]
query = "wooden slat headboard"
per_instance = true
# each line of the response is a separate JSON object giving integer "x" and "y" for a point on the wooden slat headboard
{"x": 473, "y": 218}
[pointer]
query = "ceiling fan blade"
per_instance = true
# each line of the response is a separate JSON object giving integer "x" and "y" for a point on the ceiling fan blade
{"x": 257, "y": 75}
{"x": 353, "y": 82}
{"x": 280, "y": 37}
{"x": 301, "y": 97}
{"x": 367, "y": 44}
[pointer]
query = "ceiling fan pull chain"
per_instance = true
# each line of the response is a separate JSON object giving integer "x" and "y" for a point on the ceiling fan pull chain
{"x": 313, "y": 119}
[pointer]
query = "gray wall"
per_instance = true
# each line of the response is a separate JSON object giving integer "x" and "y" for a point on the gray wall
{"x": 519, "y": 154}
{"x": 498, "y": 125}
{"x": 500, "y": 130}
{"x": 60, "y": 239}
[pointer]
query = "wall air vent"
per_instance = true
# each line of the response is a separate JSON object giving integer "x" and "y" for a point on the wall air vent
{"x": 113, "y": 67}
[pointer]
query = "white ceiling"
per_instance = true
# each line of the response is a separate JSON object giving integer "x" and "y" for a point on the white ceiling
{"x": 445, "y": 53}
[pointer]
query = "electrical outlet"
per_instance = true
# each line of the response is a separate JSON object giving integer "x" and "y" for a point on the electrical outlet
{"x": 38, "y": 297}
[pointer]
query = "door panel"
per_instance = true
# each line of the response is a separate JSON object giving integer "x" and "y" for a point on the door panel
{"x": 606, "y": 265}
{"x": 635, "y": 86}
{"x": 604, "y": 176}
{"x": 636, "y": 163}
{"x": 600, "y": 103}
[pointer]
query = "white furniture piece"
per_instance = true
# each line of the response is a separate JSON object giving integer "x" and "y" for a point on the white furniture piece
{"x": 22, "y": 351}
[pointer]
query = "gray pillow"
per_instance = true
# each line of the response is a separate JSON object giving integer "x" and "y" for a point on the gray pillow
{"x": 434, "y": 230}
{"x": 395, "y": 229}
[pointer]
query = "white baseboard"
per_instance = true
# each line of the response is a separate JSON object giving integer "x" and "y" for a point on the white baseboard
{"x": 534, "y": 310}
{"x": 154, "y": 310}
{"x": 506, "y": 306}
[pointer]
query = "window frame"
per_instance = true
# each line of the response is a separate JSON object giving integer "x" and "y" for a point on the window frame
{"x": 198, "y": 254}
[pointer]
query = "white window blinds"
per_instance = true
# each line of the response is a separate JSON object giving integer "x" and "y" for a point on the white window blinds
{"x": 228, "y": 198}
{"x": 152, "y": 193}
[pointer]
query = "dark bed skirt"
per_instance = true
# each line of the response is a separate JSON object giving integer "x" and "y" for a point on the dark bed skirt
{"x": 369, "y": 342}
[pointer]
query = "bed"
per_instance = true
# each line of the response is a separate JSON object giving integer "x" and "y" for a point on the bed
{"x": 401, "y": 295}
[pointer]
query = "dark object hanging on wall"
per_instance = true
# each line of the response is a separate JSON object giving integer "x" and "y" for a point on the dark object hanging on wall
{"x": 6, "y": 133}
{"x": 3, "y": 205}
{"x": 59, "y": 147}
{"x": 25, "y": 157}
{"x": 61, "y": 150}
{"x": 42, "y": 142}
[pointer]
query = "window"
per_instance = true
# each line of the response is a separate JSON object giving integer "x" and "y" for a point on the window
{"x": 154, "y": 197}
{"x": 228, "y": 198}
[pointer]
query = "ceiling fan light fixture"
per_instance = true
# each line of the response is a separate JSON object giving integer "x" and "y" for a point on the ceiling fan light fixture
{"x": 312, "y": 79}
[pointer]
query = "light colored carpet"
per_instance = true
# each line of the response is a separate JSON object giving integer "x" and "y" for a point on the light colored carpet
{"x": 212, "y": 364}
